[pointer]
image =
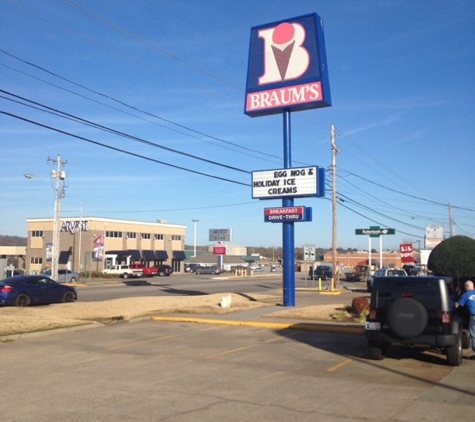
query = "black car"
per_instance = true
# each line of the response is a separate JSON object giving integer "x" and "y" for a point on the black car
{"x": 416, "y": 312}
{"x": 164, "y": 270}
{"x": 24, "y": 290}
{"x": 322, "y": 271}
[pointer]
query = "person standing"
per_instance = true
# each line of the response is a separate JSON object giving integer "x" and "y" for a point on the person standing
{"x": 468, "y": 299}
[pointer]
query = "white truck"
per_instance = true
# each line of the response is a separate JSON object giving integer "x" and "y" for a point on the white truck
{"x": 123, "y": 271}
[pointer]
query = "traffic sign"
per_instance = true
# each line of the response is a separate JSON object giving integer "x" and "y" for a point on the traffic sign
{"x": 309, "y": 252}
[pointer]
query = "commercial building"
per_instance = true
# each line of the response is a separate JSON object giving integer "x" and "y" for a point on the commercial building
{"x": 92, "y": 243}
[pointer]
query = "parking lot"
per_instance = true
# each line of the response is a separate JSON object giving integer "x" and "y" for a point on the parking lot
{"x": 175, "y": 371}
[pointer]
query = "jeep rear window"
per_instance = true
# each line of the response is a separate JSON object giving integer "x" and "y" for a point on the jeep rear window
{"x": 428, "y": 293}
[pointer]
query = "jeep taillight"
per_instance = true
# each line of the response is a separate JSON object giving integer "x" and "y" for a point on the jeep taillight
{"x": 373, "y": 315}
{"x": 446, "y": 318}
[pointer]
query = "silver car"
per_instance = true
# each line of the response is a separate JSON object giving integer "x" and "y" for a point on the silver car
{"x": 64, "y": 276}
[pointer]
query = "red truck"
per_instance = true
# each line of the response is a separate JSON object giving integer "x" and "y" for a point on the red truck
{"x": 147, "y": 271}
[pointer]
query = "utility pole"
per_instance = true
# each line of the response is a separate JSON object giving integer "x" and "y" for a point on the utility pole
{"x": 451, "y": 220}
{"x": 59, "y": 175}
{"x": 335, "y": 151}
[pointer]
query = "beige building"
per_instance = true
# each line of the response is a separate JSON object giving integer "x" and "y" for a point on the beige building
{"x": 92, "y": 243}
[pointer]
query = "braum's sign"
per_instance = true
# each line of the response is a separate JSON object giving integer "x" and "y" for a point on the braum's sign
{"x": 287, "y": 67}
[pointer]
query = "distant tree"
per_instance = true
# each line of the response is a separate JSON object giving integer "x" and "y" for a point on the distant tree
{"x": 453, "y": 257}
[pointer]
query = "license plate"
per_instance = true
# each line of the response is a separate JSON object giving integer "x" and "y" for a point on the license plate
{"x": 373, "y": 326}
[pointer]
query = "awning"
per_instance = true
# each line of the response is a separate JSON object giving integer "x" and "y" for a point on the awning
{"x": 179, "y": 255}
{"x": 134, "y": 253}
{"x": 148, "y": 255}
{"x": 64, "y": 257}
{"x": 161, "y": 255}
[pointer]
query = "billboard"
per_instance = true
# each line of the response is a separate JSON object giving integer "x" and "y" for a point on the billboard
{"x": 287, "y": 67}
{"x": 220, "y": 235}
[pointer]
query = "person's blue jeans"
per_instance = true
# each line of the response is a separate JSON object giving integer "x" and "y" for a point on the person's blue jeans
{"x": 472, "y": 332}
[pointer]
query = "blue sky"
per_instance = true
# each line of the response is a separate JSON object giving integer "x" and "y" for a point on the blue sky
{"x": 173, "y": 73}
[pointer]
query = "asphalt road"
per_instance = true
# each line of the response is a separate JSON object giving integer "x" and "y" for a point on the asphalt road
{"x": 180, "y": 372}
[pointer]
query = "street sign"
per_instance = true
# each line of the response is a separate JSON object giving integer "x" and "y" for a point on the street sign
{"x": 309, "y": 252}
{"x": 375, "y": 232}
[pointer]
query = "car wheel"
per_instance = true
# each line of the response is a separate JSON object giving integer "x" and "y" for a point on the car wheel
{"x": 161, "y": 274}
{"x": 407, "y": 317}
{"x": 454, "y": 353}
{"x": 73, "y": 280}
{"x": 377, "y": 351}
{"x": 68, "y": 297}
{"x": 198, "y": 272}
{"x": 22, "y": 300}
{"x": 125, "y": 275}
{"x": 466, "y": 340}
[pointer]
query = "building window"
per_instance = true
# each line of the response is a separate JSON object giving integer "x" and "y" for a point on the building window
{"x": 176, "y": 237}
{"x": 159, "y": 237}
{"x": 146, "y": 236}
{"x": 36, "y": 260}
{"x": 132, "y": 235}
{"x": 37, "y": 233}
{"x": 113, "y": 234}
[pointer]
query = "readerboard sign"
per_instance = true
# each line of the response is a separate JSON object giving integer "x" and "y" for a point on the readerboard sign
{"x": 292, "y": 182}
{"x": 287, "y": 67}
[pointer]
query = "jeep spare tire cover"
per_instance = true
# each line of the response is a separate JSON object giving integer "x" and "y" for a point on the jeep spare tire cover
{"x": 407, "y": 317}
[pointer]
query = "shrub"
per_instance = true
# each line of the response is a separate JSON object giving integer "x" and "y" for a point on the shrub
{"x": 359, "y": 305}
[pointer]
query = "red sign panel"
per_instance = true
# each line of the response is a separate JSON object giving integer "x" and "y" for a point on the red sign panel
{"x": 407, "y": 252}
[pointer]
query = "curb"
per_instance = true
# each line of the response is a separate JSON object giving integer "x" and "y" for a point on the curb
{"x": 307, "y": 326}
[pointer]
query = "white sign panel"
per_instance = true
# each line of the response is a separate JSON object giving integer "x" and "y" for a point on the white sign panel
{"x": 309, "y": 252}
{"x": 293, "y": 182}
{"x": 220, "y": 235}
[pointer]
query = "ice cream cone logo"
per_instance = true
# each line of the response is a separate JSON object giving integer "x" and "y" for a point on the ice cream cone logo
{"x": 285, "y": 57}
{"x": 283, "y": 45}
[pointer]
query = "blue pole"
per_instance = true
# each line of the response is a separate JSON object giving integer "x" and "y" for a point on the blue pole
{"x": 288, "y": 239}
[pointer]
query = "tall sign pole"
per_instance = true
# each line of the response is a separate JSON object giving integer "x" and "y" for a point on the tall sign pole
{"x": 288, "y": 234}
{"x": 287, "y": 72}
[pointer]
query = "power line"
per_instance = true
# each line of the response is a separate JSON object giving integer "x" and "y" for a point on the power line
{"x": 119, "y": 149}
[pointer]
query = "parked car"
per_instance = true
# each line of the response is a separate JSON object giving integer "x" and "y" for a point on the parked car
{"x": 415, "y": 312}
{"x": 384, "y": 272}
{"x": 207, "y": 270}
{"x": 147, "y": 271}
{"x": 190, "y": 268}
{"x": 411, "y": 269}
{"x": 321, "y": 271}
{"x": 164, "y": 270}
{"x": 24, "y": 290}
{"x": 64, "y": 276}
{"x": 123, "y": 271}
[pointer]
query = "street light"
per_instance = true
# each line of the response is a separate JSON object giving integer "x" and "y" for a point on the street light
{"x": 194, "y": 241}
{"x": 59, "y": 176}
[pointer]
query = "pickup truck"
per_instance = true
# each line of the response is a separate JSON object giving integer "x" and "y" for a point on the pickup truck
{"x": 147, "y": 271}
{"x": 123, "y": 271}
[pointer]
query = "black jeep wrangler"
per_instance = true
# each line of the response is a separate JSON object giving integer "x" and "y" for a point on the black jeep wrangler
{"x": 416, "y": 312}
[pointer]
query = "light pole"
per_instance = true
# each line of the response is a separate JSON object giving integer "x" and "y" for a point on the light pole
{"x": 59, "y": 176}
{"x": 195, "y": 220}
